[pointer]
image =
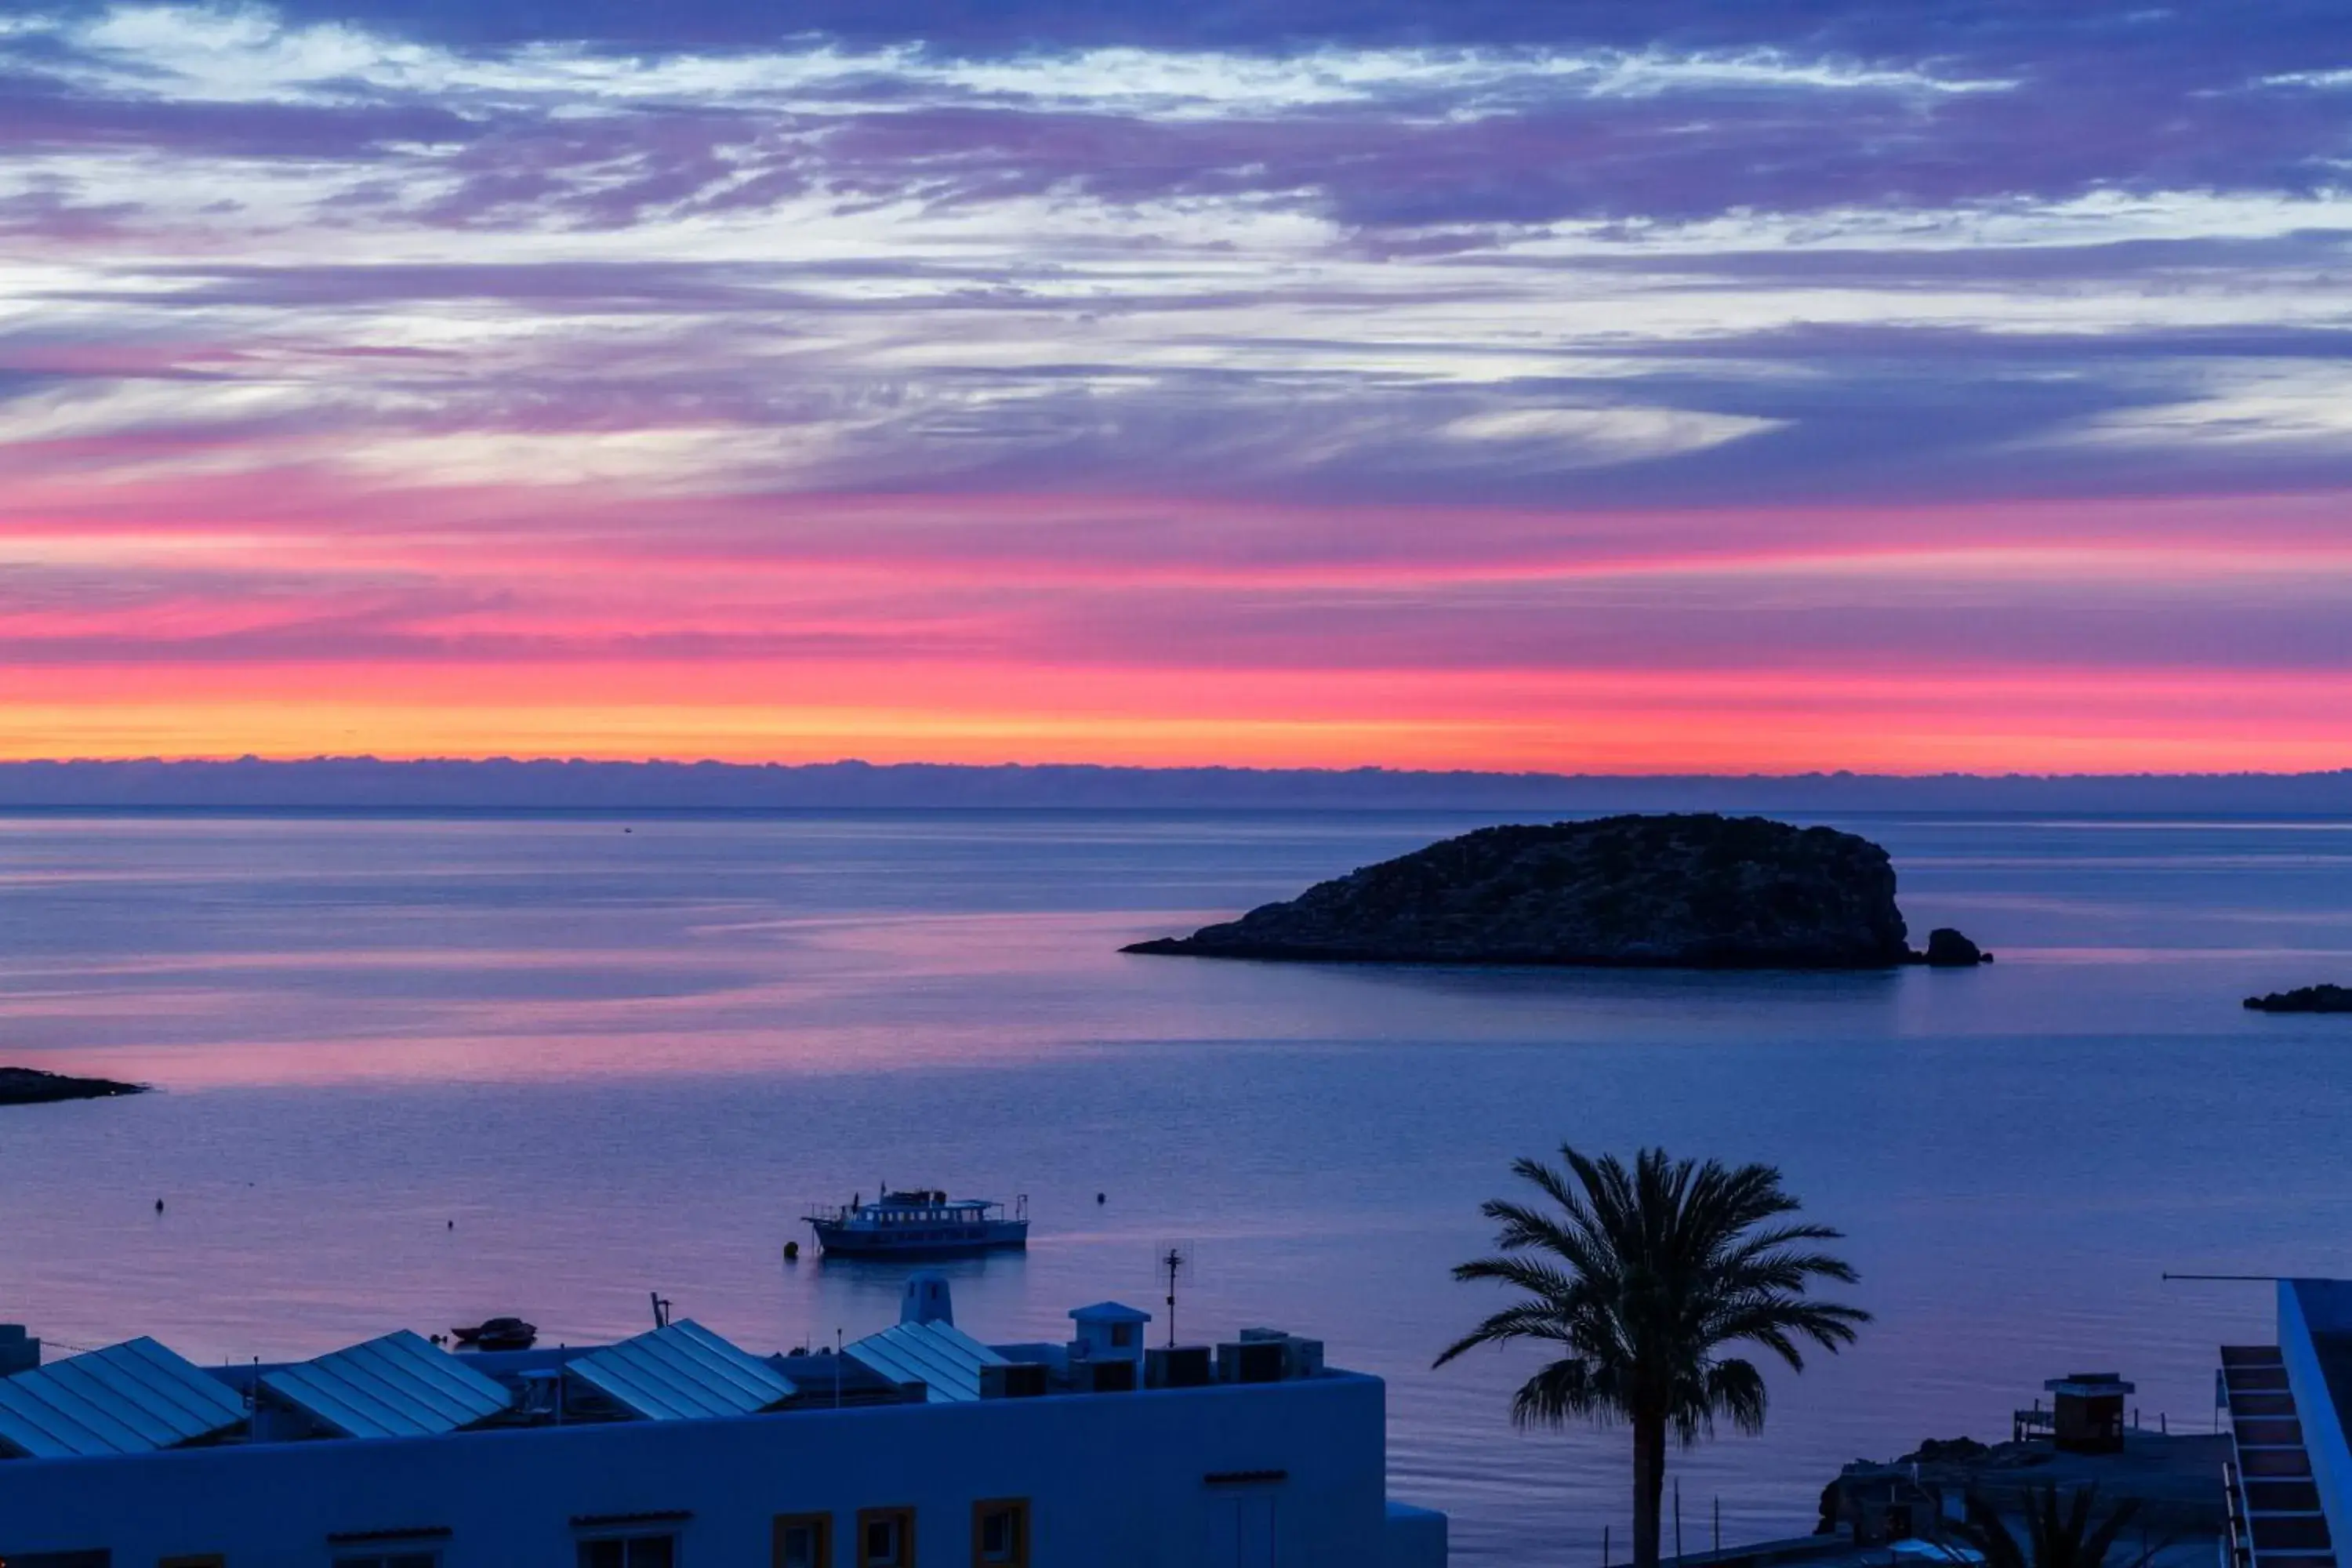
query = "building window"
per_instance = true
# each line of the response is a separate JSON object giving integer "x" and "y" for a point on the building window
{"x": 999, "y": 1533}
{"x": 886, "y": 1538}
{"x": 805, "y": 1540}
{"x": 1122, "y": 1336}
{"x": 629, "y": 1552}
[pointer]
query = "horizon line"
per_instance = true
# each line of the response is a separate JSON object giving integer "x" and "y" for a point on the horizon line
{"x": 252, "y": 759}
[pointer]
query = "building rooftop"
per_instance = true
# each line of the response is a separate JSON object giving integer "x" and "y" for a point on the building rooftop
{"x": 395, "y": 1386}
{"x": 138, "y": 1396}
{"x": 682, "y": 1370}
{"x": 128, "y": 1398}
{"x": 941, "y": 1357}
{"x": 1110, "y": 1312}
{"x": 2091, "y": 1385}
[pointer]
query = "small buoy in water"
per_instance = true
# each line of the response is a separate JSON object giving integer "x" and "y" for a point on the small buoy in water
{"x": 159, "y": 1205}
{"x": 1101, "y": 1198}
{"x": 453, "y": 1224}
{"x": 791, "y": 1251}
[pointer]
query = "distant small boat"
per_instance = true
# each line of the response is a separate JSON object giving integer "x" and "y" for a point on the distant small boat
{"x": 499, "y": 1334}
{"x": 922, "y": 1222}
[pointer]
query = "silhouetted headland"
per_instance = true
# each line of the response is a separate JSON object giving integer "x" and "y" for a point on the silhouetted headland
{"x": 2305, "y": 999}
{"x": 29, "y": 1086}
{"x": 1698, "y": 890}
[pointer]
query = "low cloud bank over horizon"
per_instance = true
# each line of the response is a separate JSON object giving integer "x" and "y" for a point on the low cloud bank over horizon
{"x": 1684, "y": 387}
{"x": 507, "y": 783}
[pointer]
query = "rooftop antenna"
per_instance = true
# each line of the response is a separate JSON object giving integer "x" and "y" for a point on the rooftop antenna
{"x": 661, "y": 1309}
{"x": 1175, "y": 1259}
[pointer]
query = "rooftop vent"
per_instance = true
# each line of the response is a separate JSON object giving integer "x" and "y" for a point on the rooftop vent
{"x": 1104, "y": 1376}
{"x": 1177, "y": 1366}
{"x": 1300, "y": 1357}
{"x": 1251, "y": 1360}
{"x": 1012, "y": 1380}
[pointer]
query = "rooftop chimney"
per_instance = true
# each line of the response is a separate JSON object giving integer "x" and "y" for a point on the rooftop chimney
{"x": 925, "y": 1300}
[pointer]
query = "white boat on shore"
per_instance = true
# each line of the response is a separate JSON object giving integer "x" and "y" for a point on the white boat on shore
{"x": 924, "y": 1223}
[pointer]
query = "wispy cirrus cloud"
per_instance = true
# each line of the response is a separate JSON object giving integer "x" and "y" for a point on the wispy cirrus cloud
{"x": 1535, "y": 341}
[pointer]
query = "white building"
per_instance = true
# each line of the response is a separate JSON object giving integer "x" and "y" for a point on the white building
{"x": 2289, "y": 1478}
{"x": 676, "y": 1450}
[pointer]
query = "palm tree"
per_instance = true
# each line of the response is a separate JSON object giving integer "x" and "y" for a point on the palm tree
{"x": 1642, "y": 1278}
{"x": 2054, "y": 1539}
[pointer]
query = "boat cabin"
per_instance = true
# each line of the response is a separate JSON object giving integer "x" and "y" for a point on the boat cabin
{"x": 924, "y": 1220}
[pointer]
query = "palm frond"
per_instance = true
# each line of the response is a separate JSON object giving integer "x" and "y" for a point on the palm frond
{"x": 2101, "y": 1539}
{"x": 1646, "y": 1275}
{"x": 2061, "y": 1530}
{"x": 1532, "y": 1275}
{"x": 1736, "y": 1390}
{"x": 1561, "y": 1391}
{"x": 1988, "y": 1532}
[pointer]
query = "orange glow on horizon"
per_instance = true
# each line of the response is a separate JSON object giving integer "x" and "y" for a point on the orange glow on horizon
{"x": 1597, "y": 722}
{"x": 291, "y": 616}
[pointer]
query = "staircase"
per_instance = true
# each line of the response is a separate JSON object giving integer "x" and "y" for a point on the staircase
{"x": 2275, "y": 1516}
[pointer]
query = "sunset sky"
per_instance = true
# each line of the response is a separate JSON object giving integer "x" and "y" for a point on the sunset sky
{"x": 1429, "y": 382}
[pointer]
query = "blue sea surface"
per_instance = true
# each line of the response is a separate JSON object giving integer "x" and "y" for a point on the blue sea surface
{"x": 622, "y": 1054}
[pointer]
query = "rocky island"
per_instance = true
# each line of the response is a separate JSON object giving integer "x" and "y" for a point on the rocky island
{"x": 29, "y": 1086}
{"x": 1694, "y": 890}
{"x": 2305, "y": 999}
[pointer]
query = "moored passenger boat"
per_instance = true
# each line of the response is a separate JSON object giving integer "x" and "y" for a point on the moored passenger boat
{"x": 922, "y": 1222}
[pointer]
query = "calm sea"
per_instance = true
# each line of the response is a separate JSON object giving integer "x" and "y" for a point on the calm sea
{"x": 621, "y": 1053}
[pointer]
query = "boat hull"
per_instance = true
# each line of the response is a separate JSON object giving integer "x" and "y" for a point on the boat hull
{"x": 943, "y": 1240}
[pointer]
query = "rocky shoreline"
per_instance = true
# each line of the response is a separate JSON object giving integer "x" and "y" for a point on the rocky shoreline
{"x": 1684, "y": 890}
{"x": 2168, "y": 1477}
{"x": 30, "y": 1086}
{"x": 2305, "y": 999}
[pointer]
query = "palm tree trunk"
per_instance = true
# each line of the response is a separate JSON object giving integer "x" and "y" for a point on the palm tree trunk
{"x": 1649, "y": 1487}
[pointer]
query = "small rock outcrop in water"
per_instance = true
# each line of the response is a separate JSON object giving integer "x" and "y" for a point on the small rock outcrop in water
{"x": 1948, "y": 949}
{"x": 1692, "y": 891}
{"x": 28, "y": 1086}
{"x": 2305, "y": 999}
